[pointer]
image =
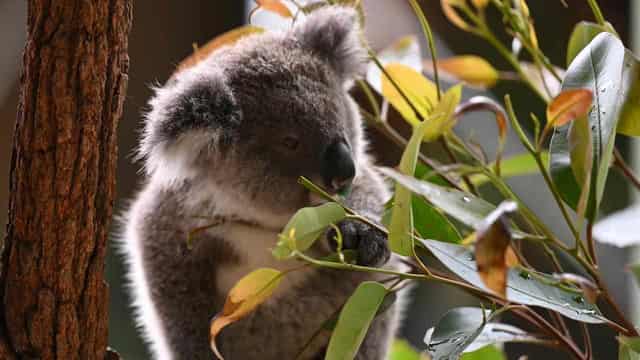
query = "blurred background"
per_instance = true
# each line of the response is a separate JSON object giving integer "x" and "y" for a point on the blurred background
{"x": 163, "y": 33}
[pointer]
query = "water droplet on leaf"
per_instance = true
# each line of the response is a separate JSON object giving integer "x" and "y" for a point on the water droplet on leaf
{"x": 525, "y": 275}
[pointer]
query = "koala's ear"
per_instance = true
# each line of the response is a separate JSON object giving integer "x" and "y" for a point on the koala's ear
{"x": 332, "y": 32}
{"x": 185, "y": 117}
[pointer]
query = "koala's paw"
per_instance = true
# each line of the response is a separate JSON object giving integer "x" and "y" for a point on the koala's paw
{"x": 369, "y": 243}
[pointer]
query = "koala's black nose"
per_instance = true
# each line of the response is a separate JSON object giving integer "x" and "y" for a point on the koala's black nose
{"x": 338, "y": 168}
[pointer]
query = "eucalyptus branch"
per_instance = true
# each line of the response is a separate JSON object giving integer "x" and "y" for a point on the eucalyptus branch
{"x": 387, "y": 130}
{"x": 375, "y": 106}
{"x": 485, "y": 32}
{"x": 426, "y": 28}
{"x": 625, "y": 169}
{"x": 597, "y": 13}
{"x": 515, "y": 124}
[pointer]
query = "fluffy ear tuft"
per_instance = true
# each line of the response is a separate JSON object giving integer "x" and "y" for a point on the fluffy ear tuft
{"x": 185, "y": 118}
{"x": 332, "y": 32}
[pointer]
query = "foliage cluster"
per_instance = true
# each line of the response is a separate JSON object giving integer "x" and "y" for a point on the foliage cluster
{"x": 438, "y": 209}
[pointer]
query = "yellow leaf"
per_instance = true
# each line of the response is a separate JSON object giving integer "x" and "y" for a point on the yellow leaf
{"x": 533, "y": 36}
{"x": 443, "y": 115}
{"x": 471, "y": 69}
{"x": 448, "y": 7}
{"x": 420, "y": 91}
{"x": 227, "y": 38}
{"x": 568, "y": 106}
{"x": 524, "y": 8}
{"x": 251, "y": 291}
{"x": 275, "y": 6}
{"x": 480, "y": 4}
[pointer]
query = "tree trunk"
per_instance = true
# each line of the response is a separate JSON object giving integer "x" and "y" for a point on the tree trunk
{"x": 53, "y": 298}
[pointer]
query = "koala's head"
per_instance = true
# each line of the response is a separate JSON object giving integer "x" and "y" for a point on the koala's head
{"x": 254, "y": 117}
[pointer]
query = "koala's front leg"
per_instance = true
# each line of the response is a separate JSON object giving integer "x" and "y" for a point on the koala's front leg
{"x": 367, "y": 197}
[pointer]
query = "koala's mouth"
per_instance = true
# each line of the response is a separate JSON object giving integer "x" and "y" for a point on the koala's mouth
{"x": 316, "y": 199}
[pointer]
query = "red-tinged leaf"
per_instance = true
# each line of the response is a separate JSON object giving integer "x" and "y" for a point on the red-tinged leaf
{"x": 275, "y": 6}
{"x": 478, "y": 103}
{"x": 492, "y": 249}
{"x": 251, "y": 291}
{"x": 568, "y": 106}
{"x": 480, "y": 4}
{"x": 590, "y": 290}
{"x": 448, "y": 7}
{"x": 227, "y": 38}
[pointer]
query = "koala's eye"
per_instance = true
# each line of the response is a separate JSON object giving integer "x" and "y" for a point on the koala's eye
{"x": 290, "y": 142}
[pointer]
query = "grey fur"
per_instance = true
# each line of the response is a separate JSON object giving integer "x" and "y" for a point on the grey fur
{"x": 213, "y": 146}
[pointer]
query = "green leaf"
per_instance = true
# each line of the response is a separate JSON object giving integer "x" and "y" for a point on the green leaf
{"x": 442, "y": 116}
{"x": 401, "y": 350}
{"x": 305, "y": 227}
{"x": 608, "y": 70}
{"x": 629, "y": 348}
{"x": 431, "y": 223}
{"x": 522, "y": 287}
{"x": 464, "y": 207}
{"x": 354, "y": 321}
{"x": 581, "y": 36}
{"x": 635, "y": 269}
{"x": 631, "y": 342}
{"x": 401, "y": 224}
{"x": 455, "y": 331}
{"x": 498, "y": 333}
{"x": 405, "y": 50}
{"x": 516, "y": 165}
{"x": 488, "y": 352}
{"x": 489, "y": 334}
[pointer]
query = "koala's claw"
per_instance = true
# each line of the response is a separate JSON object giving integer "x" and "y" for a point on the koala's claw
{"x": 369, "y": 243}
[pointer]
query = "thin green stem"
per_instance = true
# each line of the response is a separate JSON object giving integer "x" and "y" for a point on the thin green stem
{"x": 426, "y": 28}
{"x": 375, "y": 106}
{"x": 485, "y": 32}
{"x": 395, "y": 84}
{"x": 597, "y": 13}
{"x": 515, "y": 124}
{"x": 354, "y": 267}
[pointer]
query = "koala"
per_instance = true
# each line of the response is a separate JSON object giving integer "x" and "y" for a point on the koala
{"x": 227, "y": 139}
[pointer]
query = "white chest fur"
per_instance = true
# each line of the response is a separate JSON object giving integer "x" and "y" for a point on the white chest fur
{"x": 253, "y": 246}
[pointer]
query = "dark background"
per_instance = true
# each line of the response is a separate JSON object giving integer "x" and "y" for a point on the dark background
{"x": 163, "y": 33}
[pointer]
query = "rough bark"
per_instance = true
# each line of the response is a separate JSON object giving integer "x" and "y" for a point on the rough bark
{"x": 53, "y": 296}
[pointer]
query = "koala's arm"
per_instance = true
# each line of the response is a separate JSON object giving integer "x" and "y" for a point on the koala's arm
{"x": 174, "y": 287}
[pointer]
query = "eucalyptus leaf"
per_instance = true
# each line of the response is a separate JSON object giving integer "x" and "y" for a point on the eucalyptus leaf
{"x": 431, "y": 223}
{"x": 354, "y": 320}
{"x": 402, "y": 350}
{"x": 607, "y": 69}
{"x": 306, "y": 226}
{"x": 522, "y": 287}
{"x": 493, "y": 333}
{"x": 455, "y": 331}
{"x": 516, "y": 165}
{"x": 620, "y": 228}
{"x": 489, "y": 352}
{"x": 581, "y": 36}
{"x": 629, "y": 348}
{"x": 405, "y": 50}
{"x": 401, "y": 223}
{"x": 464, "y": 207}
{"x": 635, "y": 269}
